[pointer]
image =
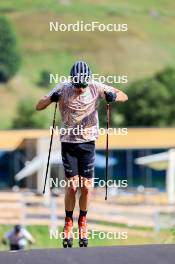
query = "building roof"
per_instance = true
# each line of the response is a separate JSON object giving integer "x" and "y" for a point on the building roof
{"x": 12, "y": 139}
{"x": 158, "y": 161}
{"x": 141, "y": 138}
{"x": 135, "y": 138}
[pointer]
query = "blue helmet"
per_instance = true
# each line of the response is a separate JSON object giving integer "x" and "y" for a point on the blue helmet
{"x": 17, "y": 228}
{"x": 80, "y": 74}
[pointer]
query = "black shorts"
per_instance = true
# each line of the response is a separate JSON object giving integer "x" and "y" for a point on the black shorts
{"x": 16, "y": 247}
{"x": 78, "y": 159}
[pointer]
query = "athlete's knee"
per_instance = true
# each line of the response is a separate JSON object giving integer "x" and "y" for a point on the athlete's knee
{"x": 87, "y": 185}
{"x": 72, "y": 190}
{"x": 72, "y": 185}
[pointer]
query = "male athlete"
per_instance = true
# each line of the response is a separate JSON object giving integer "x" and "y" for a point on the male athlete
{"x": 78, "y": 102}
{"x": 18, "y": 238}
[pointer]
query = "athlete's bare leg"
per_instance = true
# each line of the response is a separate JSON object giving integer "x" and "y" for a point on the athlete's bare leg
{"x": 70, "y": 194}
{"x": 86, "y": 186}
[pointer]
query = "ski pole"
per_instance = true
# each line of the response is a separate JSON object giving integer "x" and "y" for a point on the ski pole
{"x": 50, "y": 147}
{"x": 110, "y": 97}
{"x": 107, "y": 150}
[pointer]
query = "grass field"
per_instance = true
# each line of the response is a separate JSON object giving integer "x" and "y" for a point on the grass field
{"x": 148, "y": 45}
{"x": 41, "y": 234}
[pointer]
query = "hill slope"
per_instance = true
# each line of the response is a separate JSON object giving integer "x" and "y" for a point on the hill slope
{"x": 147, "y": 46}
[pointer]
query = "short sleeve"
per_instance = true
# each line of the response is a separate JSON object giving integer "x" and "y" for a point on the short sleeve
{"x": 58, "y": 88}
{"x": 8, "y": 234}
{"x": 26, "y": 234}
{"x": 103, "y": 88}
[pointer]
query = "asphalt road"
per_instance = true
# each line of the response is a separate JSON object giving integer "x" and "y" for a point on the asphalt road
{"x": 149, "y": 254}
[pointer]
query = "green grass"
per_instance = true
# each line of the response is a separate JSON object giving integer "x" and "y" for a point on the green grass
{"x": 42, "y": 237}
{"x": 79, "y": 7}
{"x": 147, "y": 47}
{"x": 141, "y": 228}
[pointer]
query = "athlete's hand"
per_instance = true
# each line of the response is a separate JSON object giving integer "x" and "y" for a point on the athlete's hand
{"x": 55, "y": 97}
{"x": 110, "y": 97}
{"x": 4, "y": 242}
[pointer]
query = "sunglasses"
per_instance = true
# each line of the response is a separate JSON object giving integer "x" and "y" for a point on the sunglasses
{"x": 80, "y": 85}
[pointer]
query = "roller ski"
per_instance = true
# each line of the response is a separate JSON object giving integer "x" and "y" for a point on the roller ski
{"x": 68, "y": 233}
{"x": 83, "y": 232}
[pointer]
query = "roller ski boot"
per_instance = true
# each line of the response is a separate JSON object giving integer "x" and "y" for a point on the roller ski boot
{"x": 68, "y": 233}
{"x": 83, "y": 231}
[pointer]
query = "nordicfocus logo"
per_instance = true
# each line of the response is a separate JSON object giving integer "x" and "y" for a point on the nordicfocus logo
{"x": 81, "y": 26}
{"x": 110, "y": 79}
{"x": 79, "y": 130}
{"x": 93, "y": 234}
{"x": 95, "y": 182}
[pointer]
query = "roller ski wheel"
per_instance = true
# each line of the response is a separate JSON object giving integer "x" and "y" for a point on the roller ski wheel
{"x": 68, "y": 234}
{"x": 83, "y": 231}
{"x": 67, "y": 243}
{"x": 83, "y": 242}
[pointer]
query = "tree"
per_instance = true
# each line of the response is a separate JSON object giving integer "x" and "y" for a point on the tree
{"x": 116, "y": 117}
{"x": 28, "y": 117}
{"x": 167, "y": 77}
{"x": 151, "y": 102}
{"x": 44, "y": 79}
{"x": 9, "y": 54}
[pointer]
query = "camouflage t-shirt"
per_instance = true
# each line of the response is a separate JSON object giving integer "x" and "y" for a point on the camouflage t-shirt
{"x": 79, "y": 114}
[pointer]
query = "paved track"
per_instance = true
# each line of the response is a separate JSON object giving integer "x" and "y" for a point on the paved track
{"x": 152, "y": 254}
